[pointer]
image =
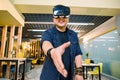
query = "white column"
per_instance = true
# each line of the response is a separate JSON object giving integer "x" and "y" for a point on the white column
{"x": 3, "y": 42}
{"x": 11, "y": 42}
{"x": 19, "y": 40}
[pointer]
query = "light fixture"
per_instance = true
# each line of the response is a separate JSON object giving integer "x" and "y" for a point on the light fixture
{"x": 42, "y": 30}
{"x": 36, "y": 30}
{"x": 37, "y": 35}
{"x": 53, "y": 23}
{"x": 107, "y": 37}
{"x": 81, "y": 24}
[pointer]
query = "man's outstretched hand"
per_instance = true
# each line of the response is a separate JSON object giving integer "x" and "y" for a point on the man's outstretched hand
{"x": 56, "y": 55}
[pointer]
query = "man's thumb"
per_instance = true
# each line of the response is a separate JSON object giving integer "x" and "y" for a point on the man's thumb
{"x": 65, "y": 45}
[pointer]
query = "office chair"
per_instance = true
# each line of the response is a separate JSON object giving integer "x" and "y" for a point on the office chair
{"x": 95, "y": 72}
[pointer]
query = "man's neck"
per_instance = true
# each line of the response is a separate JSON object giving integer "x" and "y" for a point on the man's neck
{"x": 61, "y": 29}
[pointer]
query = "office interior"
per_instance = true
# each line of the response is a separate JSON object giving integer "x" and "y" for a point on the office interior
{"x": 97, "y": 24}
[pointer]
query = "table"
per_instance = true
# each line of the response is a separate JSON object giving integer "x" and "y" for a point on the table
{"x": 17, "y": 61}
{"x": 85, "y": 66}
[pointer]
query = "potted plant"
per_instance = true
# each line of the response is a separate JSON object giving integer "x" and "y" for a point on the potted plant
{"x": 87, "y": 55}
{"x": 87, "y": 60}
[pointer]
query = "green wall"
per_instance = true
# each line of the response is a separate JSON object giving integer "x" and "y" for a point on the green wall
{"x": 105, "y": 49}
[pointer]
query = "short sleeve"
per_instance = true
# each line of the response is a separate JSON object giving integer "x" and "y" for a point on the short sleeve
{"x": 46, "y": 36}
{"x": 78, "y": 49}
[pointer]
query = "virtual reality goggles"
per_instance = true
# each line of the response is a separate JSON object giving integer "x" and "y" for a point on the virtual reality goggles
{"x": 56, "y": 17}
{"x": 60, "y": 10}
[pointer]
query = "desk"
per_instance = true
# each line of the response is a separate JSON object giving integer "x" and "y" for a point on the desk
{"x": 88, "y": 66}
{"x": 17, "y": 61}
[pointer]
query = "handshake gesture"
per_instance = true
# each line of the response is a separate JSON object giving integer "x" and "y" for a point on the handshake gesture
{"x": 56, "y": 55}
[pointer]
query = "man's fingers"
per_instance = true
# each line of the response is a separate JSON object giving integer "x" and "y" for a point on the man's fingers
{"x": 59, "y": 60}
{"x": 60, "y": 66}
{"x": 64, "y": 72}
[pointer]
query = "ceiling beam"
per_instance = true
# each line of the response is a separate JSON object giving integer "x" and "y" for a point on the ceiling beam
{"x": 75, "y": 3}
{"x": 100, "y": 30}
{"x": 9, "y": 15}
{"x": 80, "y": 7}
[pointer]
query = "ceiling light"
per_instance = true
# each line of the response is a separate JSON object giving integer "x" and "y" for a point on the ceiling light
{"x": 53, "y": 23}
{"x": 107, "y": 37}
{"x": 37, "y": 35}
{"x": 42, "y": 30}
{"x": 39, "y": 30}
{"x": 81, "y": 24}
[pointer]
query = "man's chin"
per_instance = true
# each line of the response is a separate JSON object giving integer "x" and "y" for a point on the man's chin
{"x": 62, "y": 25}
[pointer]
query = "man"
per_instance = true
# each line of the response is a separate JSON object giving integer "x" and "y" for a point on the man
{"x": 61, "y": 48}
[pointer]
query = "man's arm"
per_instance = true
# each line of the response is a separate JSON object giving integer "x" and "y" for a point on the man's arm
{"x": 56, "y": 55}
{"x": 46, "y": 46}
{"x": 78, "y": 63}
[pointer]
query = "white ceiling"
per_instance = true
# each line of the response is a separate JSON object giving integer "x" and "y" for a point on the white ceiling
{"x": 80, "y": 7}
